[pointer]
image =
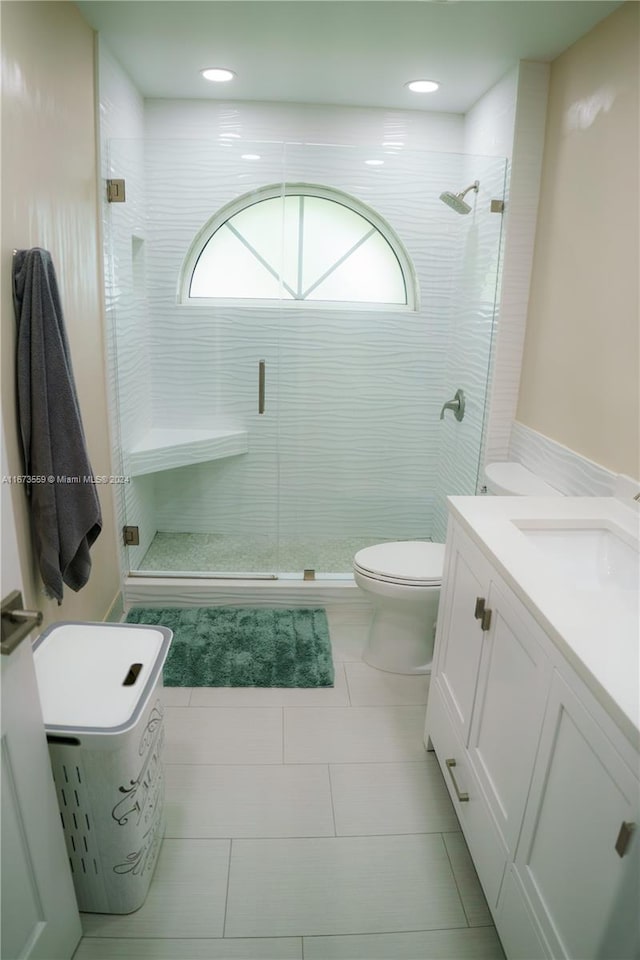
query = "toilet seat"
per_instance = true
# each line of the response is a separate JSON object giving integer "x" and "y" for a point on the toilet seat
{"x": 414, "y": 563}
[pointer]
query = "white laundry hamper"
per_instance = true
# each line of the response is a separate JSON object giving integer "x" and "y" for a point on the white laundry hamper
{"x": 100, "y": 685}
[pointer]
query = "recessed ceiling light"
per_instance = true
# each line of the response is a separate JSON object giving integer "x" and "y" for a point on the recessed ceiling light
{"x": 422, "y": 86}
{"x": 218, "y": 74}
{"x": 374, "y": 163}
{"x": 250, "y": 156}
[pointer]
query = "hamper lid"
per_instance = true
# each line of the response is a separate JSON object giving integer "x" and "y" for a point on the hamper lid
{"x": 97, "y": 677}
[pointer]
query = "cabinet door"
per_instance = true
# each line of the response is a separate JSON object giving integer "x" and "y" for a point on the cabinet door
{"x": 514, "y": 680}
{"x": 460, "y": 635}
{"x": 584, "y": 891}
{"x": 519, "y": 934}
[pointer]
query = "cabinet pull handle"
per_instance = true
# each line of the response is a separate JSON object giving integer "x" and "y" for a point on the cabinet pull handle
{"x": 462, "y": 797}
{"x": 485, "y": 623}
{"x": 479, "y": 611}
{"x": 624, "y": 837}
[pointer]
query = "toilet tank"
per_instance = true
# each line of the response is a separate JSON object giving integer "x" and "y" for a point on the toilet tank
{"x": 509, "y": 479}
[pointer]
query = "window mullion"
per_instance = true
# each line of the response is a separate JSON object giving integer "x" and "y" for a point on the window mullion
{"x": 338, "y": 263}
{"x": 261, "y": 259}
{"x": 300, "y": 245}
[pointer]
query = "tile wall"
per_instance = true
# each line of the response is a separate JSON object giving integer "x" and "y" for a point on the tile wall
{"x": 402, "y": 480}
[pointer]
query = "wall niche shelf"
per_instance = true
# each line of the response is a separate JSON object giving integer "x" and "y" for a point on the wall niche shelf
{"x": 165, "y": 448}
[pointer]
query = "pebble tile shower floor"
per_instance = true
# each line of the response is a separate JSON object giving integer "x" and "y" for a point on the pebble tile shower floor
{"x": 202, "y": 552}
{"x": 305, "y": 824}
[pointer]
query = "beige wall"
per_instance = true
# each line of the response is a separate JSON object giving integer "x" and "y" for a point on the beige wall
{"x": 49, "y": 200}
{"x": 580, "y": 376}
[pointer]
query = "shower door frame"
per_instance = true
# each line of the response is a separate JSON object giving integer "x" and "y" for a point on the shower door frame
{"x": 283, "y": 308}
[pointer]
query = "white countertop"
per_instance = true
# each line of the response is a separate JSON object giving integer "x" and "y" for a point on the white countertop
{"x": 596, "y": 629}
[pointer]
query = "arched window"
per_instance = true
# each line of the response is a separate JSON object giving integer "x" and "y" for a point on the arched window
{"x": 298, "y": 242}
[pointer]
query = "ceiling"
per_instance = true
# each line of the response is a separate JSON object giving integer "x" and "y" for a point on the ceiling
{"x": 350, "y": 52}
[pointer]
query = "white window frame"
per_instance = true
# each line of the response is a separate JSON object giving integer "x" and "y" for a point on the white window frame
{"x": 270, "y": 192}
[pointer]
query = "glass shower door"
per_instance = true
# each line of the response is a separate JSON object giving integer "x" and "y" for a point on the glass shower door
{"x": 200, "y": 455}
{"x": 345, "y": 446}
{"x": 475, "y": 275}
{"x": 363, "y": 454}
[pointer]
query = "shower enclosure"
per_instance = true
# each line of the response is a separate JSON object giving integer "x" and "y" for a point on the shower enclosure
{"x": 276, "y": 424}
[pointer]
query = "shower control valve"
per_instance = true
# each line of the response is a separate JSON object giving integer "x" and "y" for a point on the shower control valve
{"x": 457, "y": 405}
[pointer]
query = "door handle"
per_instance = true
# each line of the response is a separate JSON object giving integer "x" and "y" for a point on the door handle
{"x": 16, "y": 622}
{"x": 261, "y": 385}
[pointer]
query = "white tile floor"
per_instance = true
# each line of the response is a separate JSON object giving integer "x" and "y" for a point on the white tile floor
{"x": 305, "y": 824}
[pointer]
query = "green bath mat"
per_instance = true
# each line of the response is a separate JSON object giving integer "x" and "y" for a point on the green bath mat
{"x": 243, "y": 646}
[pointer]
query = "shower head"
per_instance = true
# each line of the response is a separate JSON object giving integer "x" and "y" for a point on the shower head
{"x": 456, "y": 200}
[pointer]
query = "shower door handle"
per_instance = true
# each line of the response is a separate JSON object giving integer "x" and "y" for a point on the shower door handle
{"x": 261, "y": 383}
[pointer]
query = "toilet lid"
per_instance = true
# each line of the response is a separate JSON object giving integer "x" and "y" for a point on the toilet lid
{"x": 413, "y": 561}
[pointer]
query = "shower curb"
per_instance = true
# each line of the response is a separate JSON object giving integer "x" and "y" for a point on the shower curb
{"x": 195, "y": 592}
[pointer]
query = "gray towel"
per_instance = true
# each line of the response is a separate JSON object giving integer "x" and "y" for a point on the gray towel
{"x": 65, "y": 510}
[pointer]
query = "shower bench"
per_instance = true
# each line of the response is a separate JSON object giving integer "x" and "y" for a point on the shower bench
{"x": 164, "y": 448}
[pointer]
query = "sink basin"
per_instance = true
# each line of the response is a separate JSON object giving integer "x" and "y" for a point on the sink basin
{"x": 593, "y": 557}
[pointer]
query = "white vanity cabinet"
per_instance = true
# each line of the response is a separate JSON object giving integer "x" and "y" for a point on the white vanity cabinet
{"x": 577, "y": 867}
{"x": 486, "y": 705}
{"x": 543, "y": 782}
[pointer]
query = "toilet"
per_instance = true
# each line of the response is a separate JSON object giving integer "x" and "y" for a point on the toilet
{"x": 403, "y": 580}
